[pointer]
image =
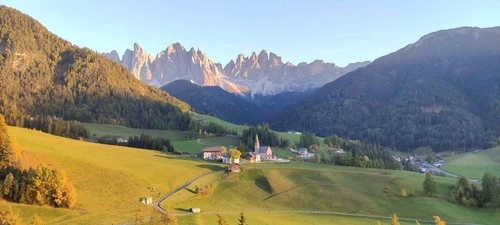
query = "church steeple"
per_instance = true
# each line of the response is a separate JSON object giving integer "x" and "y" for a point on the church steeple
{"x": 257, "y": 144}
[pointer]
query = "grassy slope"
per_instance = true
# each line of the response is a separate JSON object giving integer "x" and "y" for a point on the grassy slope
{"x": 475, "y": 164}
{"x": 108, "y": 179}
{"x": 294, "y": 186}
{"x": 103, "y": 129}
{"x": 177, "y": 137}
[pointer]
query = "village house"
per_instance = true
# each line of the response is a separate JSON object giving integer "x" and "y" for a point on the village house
{"x": 265, "y": 152}
{"x": 234, "y": 168}
{"x": 226, "y": 159}
{"x": 253, "y": 158}
{"x": 338, "y": 151}
{"x": 213, "y": 153}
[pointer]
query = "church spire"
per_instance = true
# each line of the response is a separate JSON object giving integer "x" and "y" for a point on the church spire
{"x": 257, "y": 144}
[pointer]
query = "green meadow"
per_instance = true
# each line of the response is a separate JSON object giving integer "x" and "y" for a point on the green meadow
{"x": 108, "y": 179}
{"x": 276, "y": 191}
{"x": 99, "y": 130}
{"x": 475, "y": 164}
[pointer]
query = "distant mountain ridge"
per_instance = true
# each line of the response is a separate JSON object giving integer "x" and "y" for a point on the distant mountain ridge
{"x": 442, "y": 91}
{"x": 262, "y": 74}
{"x": 215, "y": 101}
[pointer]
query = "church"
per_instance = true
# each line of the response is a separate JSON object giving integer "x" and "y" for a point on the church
{"x": 264, "y": 152}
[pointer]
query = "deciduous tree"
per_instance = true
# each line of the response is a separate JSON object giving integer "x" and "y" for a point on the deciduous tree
{"x": 430, "y": 187}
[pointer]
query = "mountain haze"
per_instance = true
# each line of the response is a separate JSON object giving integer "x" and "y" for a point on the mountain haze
{"x": 215, "y": 101}
{"x": 442, "y": 91}
{"x": 263, "y": 74}
{"x": 44, "y": 75}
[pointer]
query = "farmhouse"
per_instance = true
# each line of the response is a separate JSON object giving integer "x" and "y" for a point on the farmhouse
{"x": 146, "y": 200}
{"x": 265, "y": 152}
{"x": 234, "y": 168}
{"x": 213, "y": 153}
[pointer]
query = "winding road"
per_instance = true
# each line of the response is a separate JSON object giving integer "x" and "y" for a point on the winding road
{"x": 157, "y": 206}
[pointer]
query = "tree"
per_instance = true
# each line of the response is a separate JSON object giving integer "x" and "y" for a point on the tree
{"x": 438, "y": 220}
{"x": 222, "y": 220}
{"x": 36, "y": 220}
{"x": 8, "y": 155}
{"x": 430, "y": 187}
{"x": 7, "y": 217}
{"x": 403, "y": 193}
{"x": 242, "y": 220}
{"x": 8, "y": 183}
{"x": 394, "y": 219}
{"x": 169, "y": 218}
{"x": 234, "y": 154}
{"x": 490, "y": 190}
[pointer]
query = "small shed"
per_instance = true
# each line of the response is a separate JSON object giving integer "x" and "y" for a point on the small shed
{"x": 146, "y": 200}
{"x": 235, "y": 168}
{"x": 195, "y": 210}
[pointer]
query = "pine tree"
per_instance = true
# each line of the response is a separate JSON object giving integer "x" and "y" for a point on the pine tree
{"x": 394, "y": 219}
{"x": 430, "y": 187}
{"x": 242, "y": 220}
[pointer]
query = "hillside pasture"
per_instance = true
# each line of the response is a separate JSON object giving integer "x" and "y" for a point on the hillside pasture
{"x": 99, "y": 130}
{"x": 475, "y": 164}
{"x": 109, "y": 180}
{"x": 274, "y": 189}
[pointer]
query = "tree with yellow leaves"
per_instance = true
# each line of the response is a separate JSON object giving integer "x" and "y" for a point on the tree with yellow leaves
{"x": 9, "y": 153}
{"x": 438, "y": 220}
{"x": 394, "y": 219}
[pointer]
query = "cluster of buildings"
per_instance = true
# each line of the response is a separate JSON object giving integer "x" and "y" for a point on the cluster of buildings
{"x": 423, "y": 167}
{"x": 260, "y": 153}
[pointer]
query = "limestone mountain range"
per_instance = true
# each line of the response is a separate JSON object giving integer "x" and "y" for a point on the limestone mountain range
{"x": 263, "y": 73}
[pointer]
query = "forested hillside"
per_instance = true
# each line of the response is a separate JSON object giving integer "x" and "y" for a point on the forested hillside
{"x": 231, "y": 107}
{"x": 442, "y": 91}
{"x": 43, "y": 75}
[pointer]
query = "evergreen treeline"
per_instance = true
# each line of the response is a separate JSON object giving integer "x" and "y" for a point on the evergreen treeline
{"x": 59, "y": 127}
{"x": 147, "y": 142}
{"x": 356, "y": 154}
{"x": 467, "y": 193}
{"x": 45, "y": 76}
{"x": 40, "y": 186}
{"x": 266, "y": 137}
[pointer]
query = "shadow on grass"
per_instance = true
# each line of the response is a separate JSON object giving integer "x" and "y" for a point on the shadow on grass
{"x": 183, "y": 210}
{"x": 190, "y": 190}
{"x": 212, "y": 167}
{"x": 180, "y": 157}
{"x": 262, "y": 183}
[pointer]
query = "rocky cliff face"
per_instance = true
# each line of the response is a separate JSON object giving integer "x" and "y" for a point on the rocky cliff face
{"x": 263, "y": 74}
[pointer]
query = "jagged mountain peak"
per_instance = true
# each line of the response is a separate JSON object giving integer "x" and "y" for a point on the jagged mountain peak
{"x": 263, "y": 73}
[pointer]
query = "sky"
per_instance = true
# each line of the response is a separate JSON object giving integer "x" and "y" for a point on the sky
{"x": 336, "y": 31}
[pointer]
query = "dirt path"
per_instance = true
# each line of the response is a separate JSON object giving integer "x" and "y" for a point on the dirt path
{"x": 156, "y": 204}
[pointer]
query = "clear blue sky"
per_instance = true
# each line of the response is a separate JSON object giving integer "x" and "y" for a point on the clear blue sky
{"x": 338, "y": 31}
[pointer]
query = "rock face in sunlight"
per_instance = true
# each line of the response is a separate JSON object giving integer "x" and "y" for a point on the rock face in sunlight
{"x": 263, "y": 74}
